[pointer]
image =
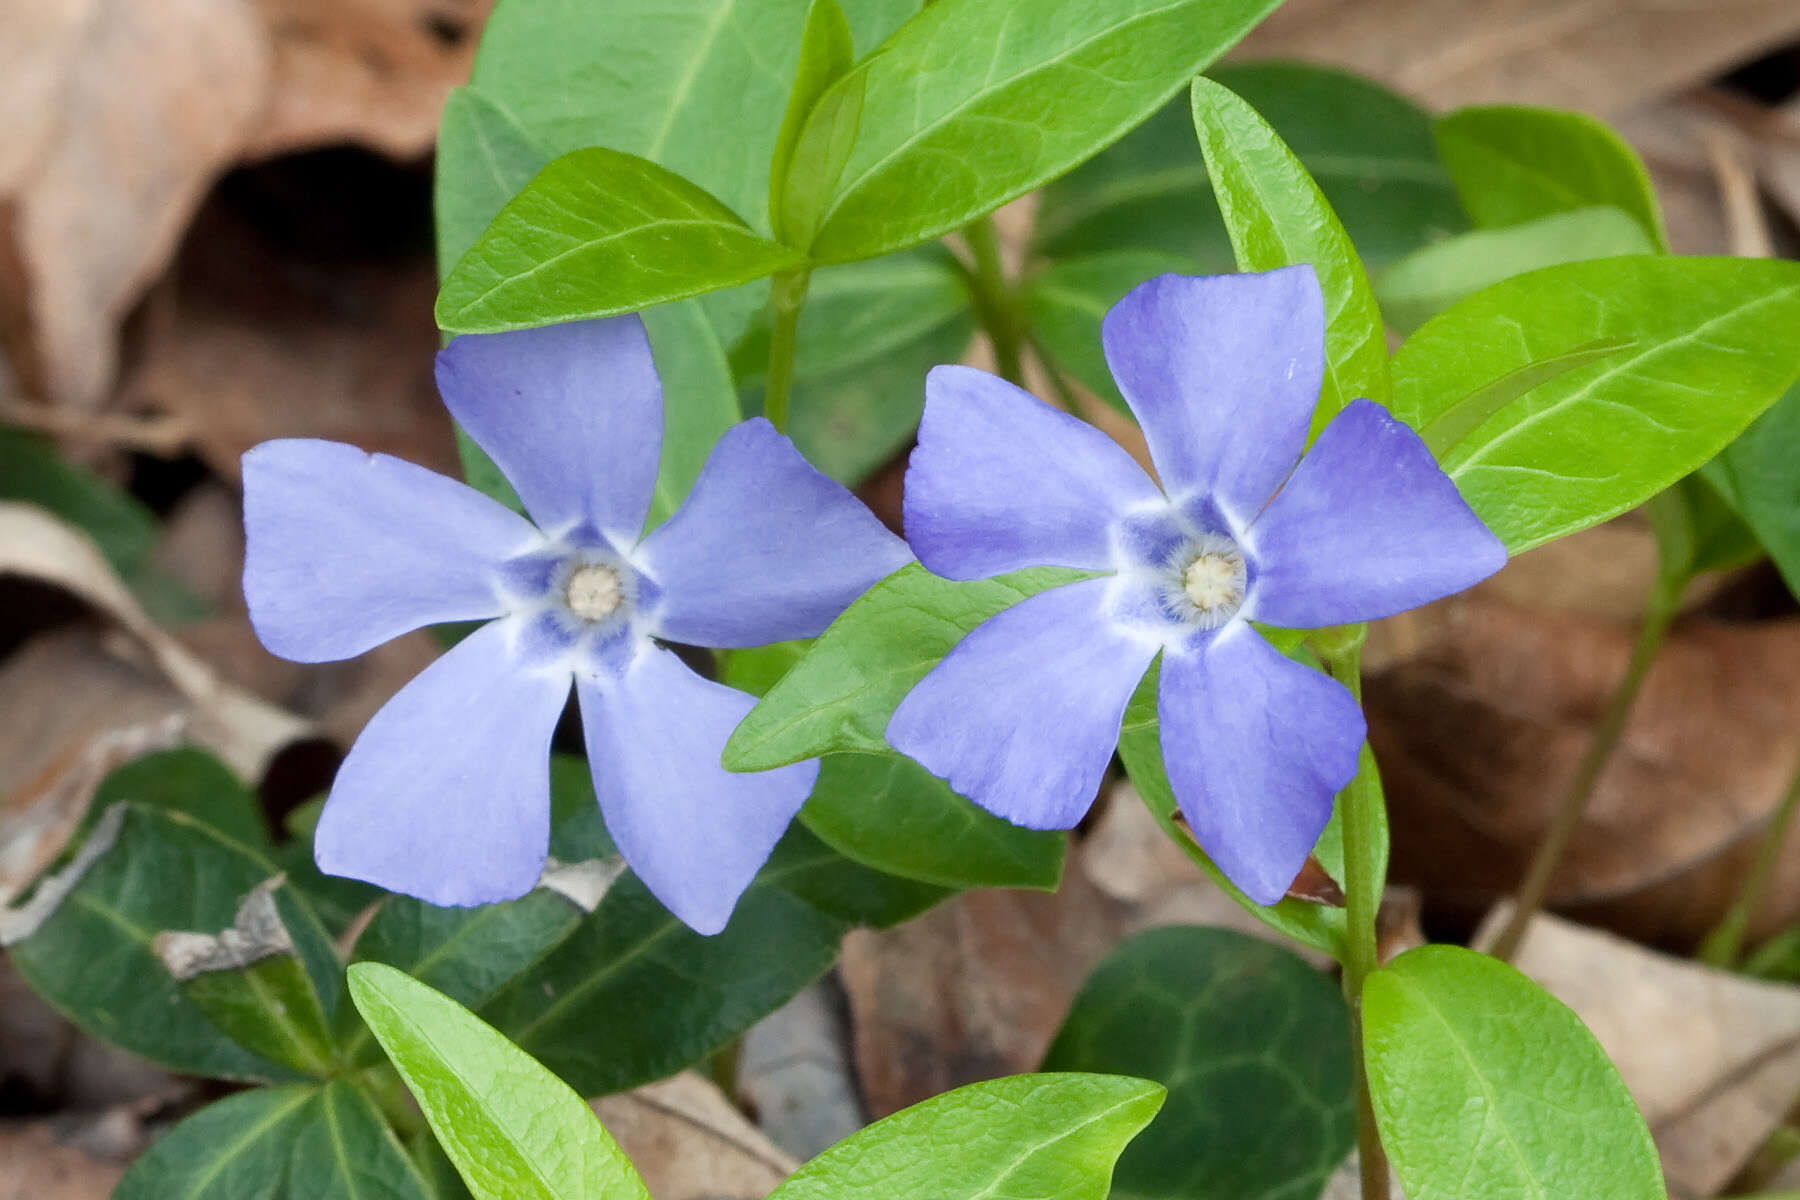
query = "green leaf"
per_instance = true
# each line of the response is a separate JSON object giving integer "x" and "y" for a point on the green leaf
{"x": 632, "y": 994}
{"x": 190, "y": 781}
{"x": 251, "y": 984}
{"x": 1514, "y": 164}
{"x": 595, "y": 234}
{"x": 867, "y": 336}
{"x": 485, "y": 158}
{"x": 514, "y": 1130}
{"x": 337, "y": 900}
{"x": 1140, "y": 747}
{"x": 699, "y": 400}
{"x": 33, "y": 472}
{"x": 283, "y": 1143}
{"x": 841, "y": 694}
{"x": 971, "y": 104}
{"x": 826, "y": 55}
{"x": 889, "y": 813}
{"x": 1277, "y": 216}
{"x": 1026, "y": 1135}
{"x": 1369, "y": 149}
{"x": 1756, "y": 473}
{"x": 92, "y": 958}
{"x": 804, "y": 171}
{"x": 1067, "y": 301}
{"x": 1426, "y": 282}
{"x": 1254, "y": 1047}
{"x": 1710, "y": 535}
{"x": 1485, "y": 1085}
{"x": 1710, "y": 343}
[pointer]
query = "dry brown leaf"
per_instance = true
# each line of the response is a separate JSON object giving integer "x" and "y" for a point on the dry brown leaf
{"x": 374, "y": 72}
{"x": 150, "y": 105}
{"x": 1712, "y": 1059}
{"x": 793, "y": 1072}
{"x": 37, "y": 1162}
{"x": 1601, "y": 56}
{"x": 1477, "y": 733}
{"x": 689, "y": 1143}
{"x": 974, "y": 989}
{"x": 245, "y": 344}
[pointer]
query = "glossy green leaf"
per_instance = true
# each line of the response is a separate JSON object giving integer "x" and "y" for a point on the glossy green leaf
{"x": 1486, "y": 1085}
{"x": 1427, "y": 281}
{"x": 514, "y": 1130}
{"x": 1370, "y": 151}
{"x": 1756, "y": 472}
{"x": 1140, "y": 747}
{"x": 1067, "y": 301}
{"x": 633, "y": 995}
{"x": 92, "y": 958}
{"x": 1254, "y": 1047}
{"x": 190, "y": 781}
{"x": 869, "y": 333}
{"x": 1024, "y": 1136}
{"x": 1513, "y": 164}
{"x": 485, "y": 159}
{"x": 826, "y": 55}
{"x": 889, "y": 813}
{"x": 1692, "y": 350}
{"x": 841, "y": 694}
{"x": 597, "y": 233}
{"x": 1277, "y": 216}
{"x": 971, "y": 104}
{"x": 283, "y": 1143}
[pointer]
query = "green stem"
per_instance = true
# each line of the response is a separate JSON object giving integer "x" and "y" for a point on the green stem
{"x": 787, "y": 294}
{"x": 1365, "y": 861}
{"x": 1724, "y": 946}
{"x": 994, "y": 305}
{"x": 1665, "y": 601}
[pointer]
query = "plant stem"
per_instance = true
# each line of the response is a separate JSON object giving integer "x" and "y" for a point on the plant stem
{"x": 1665, "y": 600}
{"x": 1724, "y": 946}
{"x": 787, "y": 294}
{"x": 1365, "y": 859}
{"x": 993, "y": 299}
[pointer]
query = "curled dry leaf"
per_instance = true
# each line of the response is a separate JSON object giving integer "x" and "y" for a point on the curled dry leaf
{"x": 1712, "y": 1059}
{"x": 1601, "y": 56}
{"x": 689, "y": 1143}
{"x": 1477, "y": 732}
{"x": 135, "y": 108}
{"x": 41, "y": 1161}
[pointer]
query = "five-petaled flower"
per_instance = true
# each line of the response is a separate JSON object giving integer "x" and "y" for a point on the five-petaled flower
{"x": 445, "y": 795}
{"x": 1223, "y": 374}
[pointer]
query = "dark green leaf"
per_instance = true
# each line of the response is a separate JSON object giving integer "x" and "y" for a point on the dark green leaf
{"x": 1428, "y": 281}
{"x": 597, "y": 233}
{"x": 337, "y": 901}
{"x": 1514, "y": 164}
{"x": 1067, "y": 301}
{"x": 1254, "y": 1047}
{"x": 32, "y": 472}
{"x": 889, "y": 813}
{"x": 1277, "y": 216}
{"x": 1710, "y": 344}
{"x": 971, "y": 104}
{"x": 1023, "y": 1136}
{"x": 514, "y": 1130}
{"x": 1757, "y": 474}
{"x": 190, "y": 781}
{"x": 1369, "y": 149}
{"x": 1484, "y": 1084}
{"x": 841, "y": 694}
{"x": 285, "y": 1143}
{"x": 1140, "y": 747}
{"x": 92, "y": 959}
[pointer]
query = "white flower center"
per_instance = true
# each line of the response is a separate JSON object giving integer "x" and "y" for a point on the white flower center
{"x": 1207, "y": 582}
{"x": 594, "y": 592}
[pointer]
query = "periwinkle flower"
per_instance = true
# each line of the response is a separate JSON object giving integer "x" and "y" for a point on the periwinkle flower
{"x": 1223, "y": 374}
{"x": 445, "y": 795}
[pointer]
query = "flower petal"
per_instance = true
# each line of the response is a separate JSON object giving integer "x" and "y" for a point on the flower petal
{"x": 446, "y": 794}
{"x": 1368, "y": 526}
{"x": 572, "y": 414}
{"x": 345, "y": 550}
{"x": 764, "y": 549}
{"x": 1257, "y": 746}
{"x": 1223, "y": 373}
{"x": 1023, "y": 715}
{"x": 695, "y": 833}
{"x": 1000, "y": 480}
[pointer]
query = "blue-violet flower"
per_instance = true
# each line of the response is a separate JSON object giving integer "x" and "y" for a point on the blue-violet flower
{"x": 445, "y": 795}
{"x": 1223, "y": 374}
